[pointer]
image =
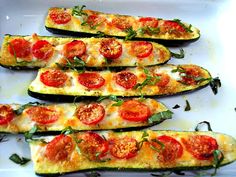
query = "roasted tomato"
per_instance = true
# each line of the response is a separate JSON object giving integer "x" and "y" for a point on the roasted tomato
{"x": 141, "y": 49}
{"x": 110, "y": 48}
{"x": 121, "y": 23}
{"x": 42, "y": 50}
{"x": 6, "y": 114}
{"x": 20, "y": 48}
{"x": 73, "y": 49}
{"x": 126, "y": 79}
{"x": 59, "y": 16}
{"x": 164, "y": 79}
{"x": 53, "y": 78}
{"x": 91, "y": 80}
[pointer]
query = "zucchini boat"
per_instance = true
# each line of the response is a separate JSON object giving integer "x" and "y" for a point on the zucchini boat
{"x": 134, "y": 150}
{"x": 19, "y": 52}
{"x": 55, "y": 84}
{"x": 107, "y": 114}
{"x": 80, "y": 22}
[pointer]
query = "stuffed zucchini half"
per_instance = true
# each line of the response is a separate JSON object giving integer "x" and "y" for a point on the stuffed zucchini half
{"x": 77, "y": 21}
{"x": 40, "y": 51}
{"x": 107, "y": 114}
{"x": 54, "y": 84}
{"x": 134, "y": 150}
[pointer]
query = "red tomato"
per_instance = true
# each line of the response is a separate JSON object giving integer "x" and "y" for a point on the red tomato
{"x": 91, "y": 80}
{"x": 189, "y": 76}
{"x": 148, "y": 22}
{"x": 170, "y": 151}
{"x": 53, "y": 78}
{"x": 164, "y": 79}
{"x": 201, "y": 146}
{"x": 123, "y": 148}
{"x": 42, "y": 115}
{"x": 93, "y": 145}
{"x": 95, "y": 20}
{"x": 59, "y": 148}
{"x": 42, "y": 50}
{"x": 126, "y": 79}
{"x": 134, "y": 110}
{"x": 59, "y": 16}
{"x": 91, "y": 113}
{"x": 110, "y": 48}
{"x": 73, "y": 49}
{"x": 141, "y": 49}
{"x": 6, "y": 114}
{"x": 173, "y": 26}
{"x": 19, "y": 48}
{"x": 121, "y": 23}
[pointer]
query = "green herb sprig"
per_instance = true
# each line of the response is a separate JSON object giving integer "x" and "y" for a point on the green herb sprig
{"x": 130, "y": 33}
{"x": 78, "y": 11}
{"x": 159, "y": 117}
{"x": 76, "y": 65}
{"x": 118, "y": 101}
{"x": 187, "y": 28}
{"x": 178, "y": 55}
{"x": 218, "y": 159}
{"x": 19, "y": 160}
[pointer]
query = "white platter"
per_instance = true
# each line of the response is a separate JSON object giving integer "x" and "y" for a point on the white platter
{"x": 214, "y": 51}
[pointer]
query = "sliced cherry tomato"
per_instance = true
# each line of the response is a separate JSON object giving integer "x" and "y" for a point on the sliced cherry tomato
{"x": 91, "y": 80}
{"x": 110, "y": 48}
{"x": 123, "y": 148}
{"x": 53, "y": 78}
{"x": 126, "y": 79}
{"x": 20, "y": 48}
{"x": 42, "y": 50}
{"x": 42, "y": 115}
{"x": 93, "y": 145}
{"x": 73, "y": 49}
{"x": 91, "y": 113}
{"x": 200, "y": 146}
{"x": 190, "y": 75}
{"x": 172, "y": 26}
{"x": 141, "y": 49}
{"x": 59, "y": 16}
{"x": 134, "y": 110}
{"x": 148, "y": 22}
{"x": 6, "y": 114}
{"x": 169, "y": 149}
{"x": 164, "y": 79}
{"x": 59, "y": 148}
{"x": 121, "y": 23}
{"x": 95, "y": 20}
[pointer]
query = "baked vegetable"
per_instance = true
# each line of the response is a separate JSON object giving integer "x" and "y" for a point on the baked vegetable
{"x": 35, "y": 51}
{"x": 158, "y": 80}
{"x": 77, "y": 21}
{"x": 134, "y": 150}
{"x": 107, "y": 114}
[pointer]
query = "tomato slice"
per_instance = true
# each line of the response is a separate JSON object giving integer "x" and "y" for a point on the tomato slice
{"x": 148, "y": 22}
{"x": 95, "y": 20}
{"x": 172, "y": 26}
{"x": 42, "y": 115}
{"x": 164, "y": 79}
{"x": 170, "y": 151}
{"x": 123, "y": 148}
{"x": 126, "y": 79}
{"x": 20, "y": 48}
{"x": 6, "y": 114}
{"x": 110, "y": 48}
{"x": 134, "y": 110}
{"x": 91, "y": 113}
{"x": 42, "y": 50}
{"x": 73, "y": 49}
{"x": 91, "y": 80}
{"x": 201, "y": 146}
{"x": 59, "y": 148}
{"x": 190, "y": 75}
{"x": 53, "y": 78}
{"x": 93, "y": 145}
{"x": 59, "y": 16}
{"x": 141, "y": 49}
{"x": 121, "y": 23}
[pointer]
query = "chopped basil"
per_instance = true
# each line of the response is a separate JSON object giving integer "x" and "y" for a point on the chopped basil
{"x": 148, "y": 30}
{"x": 118, "y": 101}
{"x": 215, "y": 83}
{"x": 158, "y": 142}
{"x": 187, "y": 107}
{"x": 218, "y": 158}
{"x": 176, "y": 106}
{"x": 178, "y": 55}
{"x": 78, "y": 11}
{"x": 188, "y": 29}
{"x": 100, "y": 34}
{"x": 19, "y": 160}
{"x": 67, "y": 131}
{"x": 203, "y": 122}
{"x": 23, "y": 107}
{"x": 130, "y": 33}
{"x": 29, "y": 135}
{"x": 3, "y": 138}
{"x": 178, "y": 69}
{"x": 158, "y": 117}
{"x": 144, "y": 139}
{"x": 78, "y": 62}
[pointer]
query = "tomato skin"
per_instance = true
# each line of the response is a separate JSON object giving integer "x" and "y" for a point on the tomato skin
{"x": 6, "y": 114}
{"x": 110, "y": 48}
{"x": 59, "y": 16}
{"x": 91, "y": 80}
{"x": 134, "y": 110}
{"x": 148, "y": 22}
{"x": 121, "y": 23}
{"x": 141, "y": 49}
{"x": 90, "y": 114}
{"x": 53, "y": 78}
{"x": 200, "y": 146}
{"x": 95, "y": 20}
{"x": 164, "y": 79}
{"x": 20, "y": 48}
{"x": 126, "y": 79}
{"x": 42, "y": 115}
{"x": 59, "y": 148}
{"x": 173, "y": 26}
{"x": 188, "y": 77}
{"x": 42, "y": 50}
{"x": 76, "y": 48}
{"x": 123, "y": 148}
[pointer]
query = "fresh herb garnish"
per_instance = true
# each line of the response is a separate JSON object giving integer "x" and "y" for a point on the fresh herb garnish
{"x": 178, "y": 69}
{"x": 203, "y": 122}
{"x": 29, "y": 135}
{"x": 215, "y": 83}
{"x": 100, "y": 34}
{"x": 118, "y": 101}
{"x": 78, "y": 62}
{"x": 187, "y": 107}
{"x": 3, "y": 138}
{"x": 144, "y": 139}
{"x": 176, "y": 106}
{"x": 158, "y": 142}
{"x": 130, "y": 33}
{"x": 149, "y": 30}
{"x": 78, "y": 11}
{"x": 23, "y": 107}
{"x": 158, "y": 117}
{"x": 178, "y": 55}
{"x": 19, "y": 160}
{"x": 93, "y": 27}
{"x": 218, "y": 158}
{"x": 67, "y": 131}
{"x": 188, "y": 29}
{"x": 98, "y": 159}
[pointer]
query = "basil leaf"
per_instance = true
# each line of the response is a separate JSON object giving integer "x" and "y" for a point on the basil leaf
{"x": 144, "y": 139}
{"x": 118, "y": 103}
{"x": 178, "y": 55}
{"x": 203, "y": 122}
{"x": 159, "y": 117}
{"x": 218, "y": 159}
{"x": 102, "y": 98}
{"x": 187, "y": 107}
{"x": 3, "y": 138}
{"x": 67, "y": 131}
{"x": 100, "y": 34}
{"x": 188, "y": 29}
{"x": 130, "y": 33}
{"x": 29, "y": 135}
{"x": 178, "y": 69}
{"x": 149, "y": 30}
{"x": 158, "y": 142}
{"x": 23, "y": 107}
{"x": 215, "y": 83}
{"x": 19, "y": 160}
{"x": 78, "y": 11}
{"x": 176, "y": 106}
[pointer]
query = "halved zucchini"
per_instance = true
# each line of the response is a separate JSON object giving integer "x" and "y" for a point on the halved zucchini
{"x": 134, "y": 150}
{"x": 85, "y": 115}
{"x": 20, "y": 52}
{"x": 158, "y": 80}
